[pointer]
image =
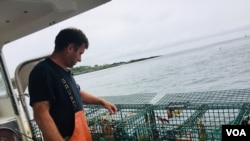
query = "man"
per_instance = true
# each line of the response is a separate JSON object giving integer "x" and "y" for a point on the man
{"x": 51, "y": 98}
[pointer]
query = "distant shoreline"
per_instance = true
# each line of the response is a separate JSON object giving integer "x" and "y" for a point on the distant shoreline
{"x": 86, "y": 69}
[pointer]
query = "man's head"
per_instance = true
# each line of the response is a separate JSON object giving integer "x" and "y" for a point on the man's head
{"x": 70, "y": 36}
{"x": 70, "y": 44}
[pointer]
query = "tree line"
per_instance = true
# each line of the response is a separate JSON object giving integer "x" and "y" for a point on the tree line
{"x": 86, "y": 69}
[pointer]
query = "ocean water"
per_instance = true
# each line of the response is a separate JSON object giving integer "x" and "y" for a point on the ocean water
{"x": 214, "y": 67}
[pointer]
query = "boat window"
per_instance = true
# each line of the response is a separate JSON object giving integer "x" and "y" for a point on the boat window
{"x": 2, "y": 85}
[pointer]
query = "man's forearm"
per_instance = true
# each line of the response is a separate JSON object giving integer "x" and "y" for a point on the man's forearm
{"x": 48, "y": 128}
{"x": 45, "y": 121}
{"x": 90, "y": 99}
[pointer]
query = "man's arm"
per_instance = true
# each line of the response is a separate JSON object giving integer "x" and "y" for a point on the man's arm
{"x": 91, "y": 99}
{"x": 45, "y": 121}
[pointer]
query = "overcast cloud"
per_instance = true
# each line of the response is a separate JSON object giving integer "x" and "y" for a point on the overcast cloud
{"x": 122, "y": 30}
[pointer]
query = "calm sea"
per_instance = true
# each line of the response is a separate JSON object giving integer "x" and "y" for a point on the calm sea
{"x": 220, "y": 66}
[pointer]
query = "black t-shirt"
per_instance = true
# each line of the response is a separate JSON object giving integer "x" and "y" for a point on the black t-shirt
{"x": 45, "y": 85}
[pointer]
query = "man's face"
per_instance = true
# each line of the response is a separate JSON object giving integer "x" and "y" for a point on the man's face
{"x": 74, "y": 56}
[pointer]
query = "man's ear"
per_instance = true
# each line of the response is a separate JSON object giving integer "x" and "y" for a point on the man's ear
{"x": 70, "y": 47}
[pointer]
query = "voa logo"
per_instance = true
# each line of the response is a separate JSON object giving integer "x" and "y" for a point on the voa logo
{"x": 236, "y": 132}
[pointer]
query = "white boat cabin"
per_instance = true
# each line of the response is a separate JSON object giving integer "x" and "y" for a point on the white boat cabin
{"x": 19, "y": 18}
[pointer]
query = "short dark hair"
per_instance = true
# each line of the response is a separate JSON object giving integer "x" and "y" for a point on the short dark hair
{"x": 68, "y": 36}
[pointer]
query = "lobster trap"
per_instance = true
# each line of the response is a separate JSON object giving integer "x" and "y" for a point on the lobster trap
{"x": 171, "y": 122}
{"x": 111, "y": 127}
{"x": 194, "y": 122}
{"x": 196, "y": 116}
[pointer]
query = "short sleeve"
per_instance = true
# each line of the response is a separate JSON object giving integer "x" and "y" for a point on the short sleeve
{"x": 40, "y": 84}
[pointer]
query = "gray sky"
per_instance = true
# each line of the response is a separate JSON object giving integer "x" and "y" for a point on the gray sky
{"x": 122, "y": 30}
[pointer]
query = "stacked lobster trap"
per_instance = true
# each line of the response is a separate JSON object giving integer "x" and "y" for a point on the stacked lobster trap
{"x": 179, "y": 117}
{"x": 119, "y": 126}
{"x": 171, "y": 122}
{"x": 196, "y": 122}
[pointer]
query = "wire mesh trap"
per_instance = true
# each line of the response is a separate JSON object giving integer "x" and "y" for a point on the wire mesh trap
{"x": 104, "y": 126}
{"x": 171, "y": 122}
{"x": 197, "y": 116}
